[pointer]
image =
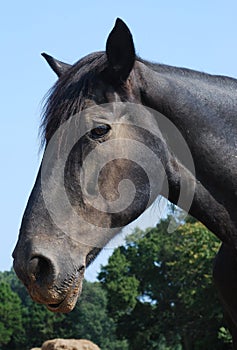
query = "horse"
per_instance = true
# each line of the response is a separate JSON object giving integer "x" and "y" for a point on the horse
{"x": 113, "y": 127}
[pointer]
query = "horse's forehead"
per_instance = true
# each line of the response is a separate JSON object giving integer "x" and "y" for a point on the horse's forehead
{"x": 103, "y": 112}
{"x": 100, "y": 93}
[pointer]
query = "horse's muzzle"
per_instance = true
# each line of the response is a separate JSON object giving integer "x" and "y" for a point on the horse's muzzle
{"x": 48, "y": 283}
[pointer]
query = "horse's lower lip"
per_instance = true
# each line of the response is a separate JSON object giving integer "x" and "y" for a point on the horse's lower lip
{"x": 67, "y": 304}
{"x": 55, "y": 307}
{"x": 69, "y": 301}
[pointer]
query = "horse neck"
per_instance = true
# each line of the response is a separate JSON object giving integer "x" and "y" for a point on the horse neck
{"x": 198, "y": 104}
{"x": 183, "y": 94}
{"x": 203, "y": 108}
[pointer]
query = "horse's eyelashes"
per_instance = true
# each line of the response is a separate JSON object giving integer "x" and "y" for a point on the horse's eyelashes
{"x": 99, "y": 131}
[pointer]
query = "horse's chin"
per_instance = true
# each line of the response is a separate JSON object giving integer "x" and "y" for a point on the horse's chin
{"x": 68, "y": 303}
{"x": 67, "y": 300}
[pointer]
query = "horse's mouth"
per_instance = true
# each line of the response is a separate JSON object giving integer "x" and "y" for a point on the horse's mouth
{"x": 55, "y": 307}
{"x": 64, "y": 306}
{"x": 68, "y": 303}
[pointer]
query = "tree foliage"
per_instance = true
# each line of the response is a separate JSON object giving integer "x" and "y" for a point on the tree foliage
{"x": 25, "y": 324}
{"x": 160, "y": 285}
{"x": 10, "y": 315}
{"x": 155, "y": 293}
{"x": 90, "y": 319}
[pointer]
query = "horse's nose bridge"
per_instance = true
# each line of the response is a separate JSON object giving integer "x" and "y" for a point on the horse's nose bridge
{"x": 35, "y": 252}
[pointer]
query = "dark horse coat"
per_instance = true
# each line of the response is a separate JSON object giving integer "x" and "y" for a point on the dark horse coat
{"x": 111, "y": 108}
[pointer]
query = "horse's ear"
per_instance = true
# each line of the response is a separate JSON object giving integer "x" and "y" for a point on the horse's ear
{"x": 120, "y": 51}
{"x": 57, "y": 66}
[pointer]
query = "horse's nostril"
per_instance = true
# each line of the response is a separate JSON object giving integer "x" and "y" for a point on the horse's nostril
{"x": 40, "y": 269}
{"x": 33, "y": 268}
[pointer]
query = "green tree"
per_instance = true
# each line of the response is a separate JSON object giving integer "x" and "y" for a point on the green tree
{"x": 11, "y": 329}
{"x": 122, "y": 285}
{"x": 38, "y": 323}
{"x": 90, "y": 319}
{"x": 172, "y": 299}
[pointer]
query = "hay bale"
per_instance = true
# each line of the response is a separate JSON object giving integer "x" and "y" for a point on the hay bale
{"x": 69, "y": 344}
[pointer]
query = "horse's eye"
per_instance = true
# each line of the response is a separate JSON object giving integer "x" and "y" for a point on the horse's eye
{"x": 99, "y": 131}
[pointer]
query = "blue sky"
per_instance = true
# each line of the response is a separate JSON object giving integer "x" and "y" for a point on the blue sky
{"x": 199, "y": 35}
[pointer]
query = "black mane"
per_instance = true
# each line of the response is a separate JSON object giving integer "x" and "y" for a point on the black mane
{"x": 67, "y": 95}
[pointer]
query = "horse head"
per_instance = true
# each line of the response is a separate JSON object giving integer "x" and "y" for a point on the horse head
{"x": 105, "y": 162}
